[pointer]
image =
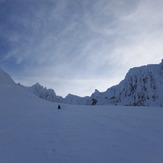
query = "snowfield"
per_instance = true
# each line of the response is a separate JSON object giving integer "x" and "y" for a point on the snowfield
{"x": 35, "y": 131}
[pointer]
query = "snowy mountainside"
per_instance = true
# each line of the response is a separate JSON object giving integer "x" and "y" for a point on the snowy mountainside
{"x": 44, "y": 93}
{"x": 142, "y": 86}
{"x": 50, "y": 95}
{"x": 34, "y": 130}
{"x": 76, "y": 100}
{"x": 37, "y": 89}
{"x": 5, "y": 78}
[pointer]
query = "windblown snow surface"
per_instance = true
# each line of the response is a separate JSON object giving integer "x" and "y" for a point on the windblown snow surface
{"x": 35, "y": 131}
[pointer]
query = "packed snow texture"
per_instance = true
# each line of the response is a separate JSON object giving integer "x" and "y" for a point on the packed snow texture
{"x": 33, "y": 130}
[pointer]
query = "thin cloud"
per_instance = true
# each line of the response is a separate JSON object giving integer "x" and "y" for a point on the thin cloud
{"x": 78, "y": 46}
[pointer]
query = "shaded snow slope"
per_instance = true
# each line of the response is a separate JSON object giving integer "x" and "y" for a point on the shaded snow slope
{"x": 34, "y": 130}
{"x": 5, "y": 78}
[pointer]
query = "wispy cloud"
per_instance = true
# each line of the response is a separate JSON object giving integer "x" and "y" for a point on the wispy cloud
{"x": 76, "y": 46}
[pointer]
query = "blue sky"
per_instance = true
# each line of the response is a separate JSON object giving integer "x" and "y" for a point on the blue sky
{"x": 76, "y": 46}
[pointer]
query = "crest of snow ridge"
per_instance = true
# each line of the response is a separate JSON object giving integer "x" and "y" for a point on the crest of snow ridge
{"x": 5, "y": 78}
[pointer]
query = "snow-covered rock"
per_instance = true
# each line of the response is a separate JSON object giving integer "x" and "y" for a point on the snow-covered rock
{"x": 141, "y": 86}
{"x": 73, "y": 99}
{"x": 44, "y": 93}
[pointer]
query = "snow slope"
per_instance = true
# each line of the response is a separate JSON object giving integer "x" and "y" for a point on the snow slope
{"x": 5, "y": 78}
{"x": 33, "y": 130}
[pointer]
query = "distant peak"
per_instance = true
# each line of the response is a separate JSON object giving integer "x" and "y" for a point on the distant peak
{"x": 37, "y": 84}
{"x": 161, "y": 62}
{"x": 96, "y": 90}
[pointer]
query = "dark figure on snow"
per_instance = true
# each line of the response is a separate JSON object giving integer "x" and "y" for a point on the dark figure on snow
{"x": 59, "y": 107}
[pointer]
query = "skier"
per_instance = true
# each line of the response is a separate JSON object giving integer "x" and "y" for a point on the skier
{"x": 59, "y": 107}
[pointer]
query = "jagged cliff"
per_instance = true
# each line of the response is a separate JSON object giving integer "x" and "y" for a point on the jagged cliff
{"x": 142, "y": 86}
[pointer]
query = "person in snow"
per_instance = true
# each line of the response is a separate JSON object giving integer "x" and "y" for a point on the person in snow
{"x": 59, "y": 107}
